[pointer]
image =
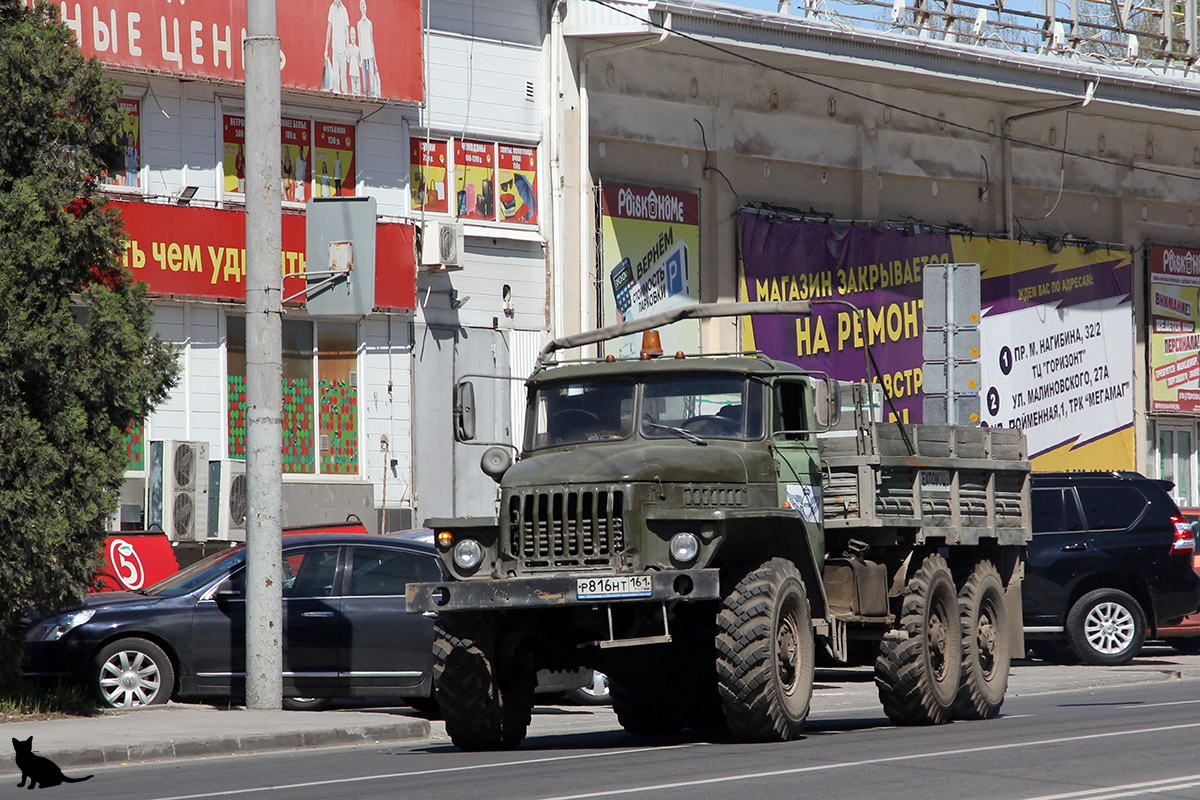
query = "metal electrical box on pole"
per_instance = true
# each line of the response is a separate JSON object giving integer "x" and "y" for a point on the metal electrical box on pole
{"x": 264, "y": 362}
{"x": 950, "y": 344}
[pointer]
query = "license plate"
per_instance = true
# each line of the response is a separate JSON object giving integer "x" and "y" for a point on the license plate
{"x": 612, "y": 587}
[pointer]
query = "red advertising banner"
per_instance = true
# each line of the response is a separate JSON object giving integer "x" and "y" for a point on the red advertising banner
{"x": 333, "y": 160}
{"x": 337, "y": 47}
{"x": 475, "y": 179}
{"x": 1174, "y": 340}
{"x": 518, "y": 184}
{"x": 430, "y": 190}
{"x": 135, "y": 560}
{"x": 201, "y": 252}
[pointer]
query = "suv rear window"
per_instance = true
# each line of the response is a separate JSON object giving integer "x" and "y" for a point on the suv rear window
{"x": 1054, "y": 510}
{"x": 1111, "y": 507}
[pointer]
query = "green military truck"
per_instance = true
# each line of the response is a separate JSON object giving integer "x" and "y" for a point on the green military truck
{"x": 703, "y": 529}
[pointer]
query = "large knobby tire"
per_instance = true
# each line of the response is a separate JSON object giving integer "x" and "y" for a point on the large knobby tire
{"x": 130, "y": 673}
{"x": 920, "y": 660}
{"x": 987, "y": 649}
{"x": 765, "y": 654}
{"x": 1106, "y": 628}
{"x": 482, "y": 710}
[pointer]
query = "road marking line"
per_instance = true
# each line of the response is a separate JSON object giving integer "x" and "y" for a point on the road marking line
{"x": 1158, "y": 705}
{"x": 1127, "y": 790}
{"x": 868, "y": 762}
{"x": 438, "y": 771}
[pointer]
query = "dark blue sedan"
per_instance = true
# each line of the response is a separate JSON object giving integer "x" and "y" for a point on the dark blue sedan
{"x": 345, "y": 632}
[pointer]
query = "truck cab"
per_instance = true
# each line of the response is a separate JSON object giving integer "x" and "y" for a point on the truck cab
{"x": 691, "y": 441}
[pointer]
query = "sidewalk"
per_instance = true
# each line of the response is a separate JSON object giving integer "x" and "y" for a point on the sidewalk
{"x": 188, "y": 730}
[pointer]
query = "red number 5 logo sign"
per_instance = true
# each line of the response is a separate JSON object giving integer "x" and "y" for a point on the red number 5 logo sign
{"x": 126, "y": 563}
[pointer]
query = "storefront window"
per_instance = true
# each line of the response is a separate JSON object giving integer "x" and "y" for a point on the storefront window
{"x": 1175, "y": 462}
{"x": 335, "y": 364}
{"x": 337, "y": 354}
{"x": 298, "y": 451}
{"x": 135, "y": 446}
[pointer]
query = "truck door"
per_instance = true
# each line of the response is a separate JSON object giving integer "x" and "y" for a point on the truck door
{"x": 794, "y": 445}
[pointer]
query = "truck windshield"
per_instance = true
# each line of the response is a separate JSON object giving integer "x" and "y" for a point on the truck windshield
{"x": 695, "y": 408}
{"x": 583, "y": 412}
{"x": 704, "y": 406}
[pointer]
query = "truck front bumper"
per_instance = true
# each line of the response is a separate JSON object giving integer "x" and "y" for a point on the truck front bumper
{"x": 691, "y": 585}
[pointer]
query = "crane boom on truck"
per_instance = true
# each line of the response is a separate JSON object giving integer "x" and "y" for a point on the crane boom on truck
{"x": 696, "y": 527}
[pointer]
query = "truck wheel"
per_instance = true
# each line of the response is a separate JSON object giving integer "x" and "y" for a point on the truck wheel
{"x": 481, "y": 711}
{"x": 1106, "y": 627}
{"x": 920, "y": 660}
{"x": 986, "y": 647}
{"x": 765, "y": 654}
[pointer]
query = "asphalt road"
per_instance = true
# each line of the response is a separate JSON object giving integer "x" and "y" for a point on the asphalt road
{"x": 1132, "y": 740}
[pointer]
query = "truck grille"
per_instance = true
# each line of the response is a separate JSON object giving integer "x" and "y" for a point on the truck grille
{"x": 550, "y": 530}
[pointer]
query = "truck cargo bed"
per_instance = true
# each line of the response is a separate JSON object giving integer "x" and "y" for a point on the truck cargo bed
{"x": 962, "y": 484}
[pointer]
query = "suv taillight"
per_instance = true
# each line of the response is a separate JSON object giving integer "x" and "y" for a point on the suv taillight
{"x": 1185, "y": 539}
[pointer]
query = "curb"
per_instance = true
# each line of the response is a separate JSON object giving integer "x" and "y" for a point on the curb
{"x": 149, "y": 751}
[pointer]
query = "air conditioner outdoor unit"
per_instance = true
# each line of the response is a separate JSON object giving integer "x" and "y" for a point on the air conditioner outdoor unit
{"x": 178, "y": 501}
{"x": 441, "y": 246}
{"x": 227, "y": 503}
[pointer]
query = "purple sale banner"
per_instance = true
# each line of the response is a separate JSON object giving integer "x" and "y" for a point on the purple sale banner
{"x": 878, "y": 271}
{"x": 1056, "y": 343}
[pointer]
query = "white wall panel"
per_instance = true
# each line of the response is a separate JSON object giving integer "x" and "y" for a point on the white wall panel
{"x": 484, "y": 88}
{"x": 490, "y": 264}
{"x": 206, "y": 386}
{"x": 523, "y": 349}
{"x": 382, "y": 160}
{"x": 501, "y": 20}
{"x": 385, "y": 395}
{"x": 200, "y": 140}
{"x": 169, "y": 420}
{"x": 162, "y": 142}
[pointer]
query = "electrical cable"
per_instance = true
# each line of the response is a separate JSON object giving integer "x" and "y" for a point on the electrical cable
{"x": 1062, "y": 176}
{"x": 704, "y": 142}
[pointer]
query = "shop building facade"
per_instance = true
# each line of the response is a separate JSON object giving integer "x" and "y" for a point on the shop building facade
{"x": 836, "y": 162}
{"x": 587, "y": 162}
{"x": 433, "y": 114}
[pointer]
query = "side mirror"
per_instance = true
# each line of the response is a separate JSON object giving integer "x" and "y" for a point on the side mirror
{"x": 229, "y": 589}
{"x": 495, "y": 462}
{"x": 464, "y": 411}
{"x": 827, "y": 403}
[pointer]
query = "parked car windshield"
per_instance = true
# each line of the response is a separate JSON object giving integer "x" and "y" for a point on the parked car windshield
{"x": 200, "y": 574}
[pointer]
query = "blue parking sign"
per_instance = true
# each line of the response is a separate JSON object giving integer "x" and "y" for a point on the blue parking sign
{"x": 676, "y": 266}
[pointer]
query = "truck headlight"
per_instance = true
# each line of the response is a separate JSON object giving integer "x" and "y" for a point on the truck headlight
{"x": 684, "y": 547}
{"x": 467, "y": 554}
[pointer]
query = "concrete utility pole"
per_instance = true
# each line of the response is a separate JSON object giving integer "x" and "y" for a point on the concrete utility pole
{"x": 264, "y": 370}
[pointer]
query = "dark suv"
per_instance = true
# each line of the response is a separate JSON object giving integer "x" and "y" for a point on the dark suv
{"x": 1110, "y": 561}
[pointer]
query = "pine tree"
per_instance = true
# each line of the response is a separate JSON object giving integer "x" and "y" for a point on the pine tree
{"x": 78, "y": 360}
